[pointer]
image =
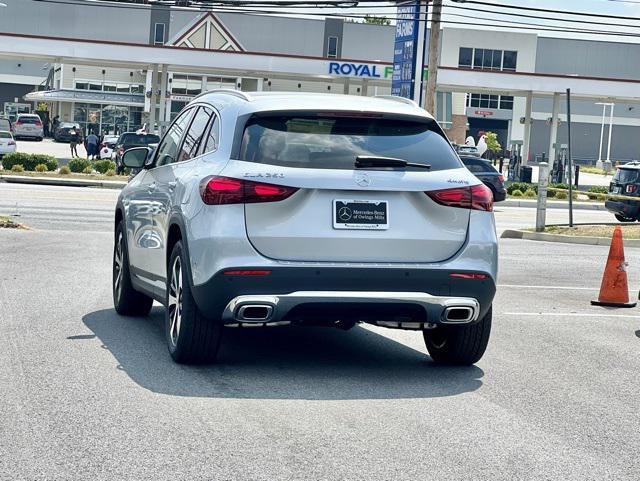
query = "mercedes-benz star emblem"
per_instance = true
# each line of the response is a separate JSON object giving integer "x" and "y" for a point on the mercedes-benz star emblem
{"x": 363, "y": 180}
{"x": 344, "y": 213}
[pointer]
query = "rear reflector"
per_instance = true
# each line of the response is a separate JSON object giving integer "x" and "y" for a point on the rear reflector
{"x": 226, "y": 190}
{"x": 468, "y": 275}
{"x": 631, "y": 188}
{"x": 245, "y": 272}
{"x": 477, "y": 197}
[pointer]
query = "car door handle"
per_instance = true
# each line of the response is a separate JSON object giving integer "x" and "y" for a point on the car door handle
{"x": 172, "y": 185}
{"x": 152, "y": 187}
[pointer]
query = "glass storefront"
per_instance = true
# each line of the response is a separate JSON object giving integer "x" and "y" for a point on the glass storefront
{"x": 107, "y": 119}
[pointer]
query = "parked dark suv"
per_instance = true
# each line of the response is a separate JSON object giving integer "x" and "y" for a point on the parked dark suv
{"x": 626, "y": 181}
{"x": 129, "y": 140}
{"x": 484, "y": 171}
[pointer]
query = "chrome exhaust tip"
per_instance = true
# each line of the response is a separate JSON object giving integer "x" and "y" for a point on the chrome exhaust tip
{"x": 254, "y": 313}
{"x": 459, "y": 314}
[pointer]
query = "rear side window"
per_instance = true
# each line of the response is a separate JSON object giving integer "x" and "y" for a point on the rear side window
{"x": 626, "y": 175}
{"x": 5, "y": 135}
{"x": 194, "y": 135}
{"x": 332, "y": 142}
{"x": 475, "y": 164}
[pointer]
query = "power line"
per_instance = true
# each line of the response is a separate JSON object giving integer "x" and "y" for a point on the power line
{"x": 504, "y": 25}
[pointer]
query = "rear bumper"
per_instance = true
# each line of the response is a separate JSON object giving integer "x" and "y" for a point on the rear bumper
{"x": 383, "y": 295}
{"x": 628, "y": 208}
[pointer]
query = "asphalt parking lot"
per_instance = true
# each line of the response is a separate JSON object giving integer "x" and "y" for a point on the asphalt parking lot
{"x": 87, "y": 394}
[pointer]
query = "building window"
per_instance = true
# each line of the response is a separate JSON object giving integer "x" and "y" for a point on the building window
{"x": 486, "y": 101}
{"x": 465, "y": 57}
{"x": 506, "y": 102}
{"x": 332, "y": 47}
{"x": 158, "y": 37}
{"x": 487, "y": 59}
{"x": 509, "y": 61}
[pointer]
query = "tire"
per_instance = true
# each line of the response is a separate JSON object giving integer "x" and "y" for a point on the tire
{"x": 622, "y": 218}
{"x": 126, "y": 300}
{"x": 461, "y": 345}
{"x": 191, "y": 338}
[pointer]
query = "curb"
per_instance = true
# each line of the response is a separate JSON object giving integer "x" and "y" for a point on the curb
{"x": 550, "y": 204}
{"x": 104, "y": 184}
{"x": 567, "y": 239}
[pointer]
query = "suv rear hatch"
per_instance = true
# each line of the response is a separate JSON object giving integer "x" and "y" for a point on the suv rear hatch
{"x": 625, "y": 182}
{"x": 332, "y": 211}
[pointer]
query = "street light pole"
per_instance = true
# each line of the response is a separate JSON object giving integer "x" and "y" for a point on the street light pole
{"x": 433, "y": 61}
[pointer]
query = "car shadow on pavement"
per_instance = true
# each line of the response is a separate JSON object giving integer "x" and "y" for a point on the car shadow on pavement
{"x": 280, "y": 363}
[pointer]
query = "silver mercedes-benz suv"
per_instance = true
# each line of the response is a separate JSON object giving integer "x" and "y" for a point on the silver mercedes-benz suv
{"x": 269, "y": 209}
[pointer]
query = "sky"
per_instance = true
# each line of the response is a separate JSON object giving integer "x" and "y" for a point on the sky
{"x": 479, "y": 15}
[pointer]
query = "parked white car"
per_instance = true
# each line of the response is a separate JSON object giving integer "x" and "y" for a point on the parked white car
{"x": 7, "y": 143}
{"x": 28, "y": 125}
{"x": 107, "y": 146}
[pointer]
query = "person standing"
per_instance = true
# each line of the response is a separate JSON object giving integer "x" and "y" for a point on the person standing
{"x": 74, "y": 139}
{"x": 92, "y": 145}
{"x": 55, "y": 123}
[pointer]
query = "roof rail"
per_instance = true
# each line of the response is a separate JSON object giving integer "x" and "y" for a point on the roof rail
{"x": 236, "y": 93}
{"x": 395, "y": 98}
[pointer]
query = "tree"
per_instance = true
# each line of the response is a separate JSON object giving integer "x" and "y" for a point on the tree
{"x": 493, "y": 145}
{"x": 375, "y": 20}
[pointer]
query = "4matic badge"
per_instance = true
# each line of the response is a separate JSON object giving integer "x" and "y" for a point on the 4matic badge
{"x": 264, "y": 175}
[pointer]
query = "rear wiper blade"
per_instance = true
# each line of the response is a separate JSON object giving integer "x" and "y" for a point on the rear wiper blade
{"x": 372, "y": 161}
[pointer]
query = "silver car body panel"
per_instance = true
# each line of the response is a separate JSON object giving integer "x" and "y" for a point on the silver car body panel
{"x": 236, "y": 236}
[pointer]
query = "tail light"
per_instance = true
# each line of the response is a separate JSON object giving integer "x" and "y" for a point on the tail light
{"x": 38, "y": 123}
{"x": 631, "y": 188}
{"x": 477, "y": 197}
{"x": 225, "y": 190}
{"x": 501, "y": 178}
{"x": 17, "y": 123}
{"x": 12, "y": 142}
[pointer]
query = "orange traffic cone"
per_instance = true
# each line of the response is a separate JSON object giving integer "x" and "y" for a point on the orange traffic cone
{"x": 614, "y": 291}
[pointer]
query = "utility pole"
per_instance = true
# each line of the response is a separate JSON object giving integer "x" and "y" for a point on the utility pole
{"x": 434, "y": 60}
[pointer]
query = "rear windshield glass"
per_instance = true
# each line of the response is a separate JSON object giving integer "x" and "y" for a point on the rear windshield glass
{"x": 5, "y": 135}
{"x": 321, "y": 142}
{"x": 626, "y": 175}
{"x": 141, "y": 139}
{"x": 28, "y": 120}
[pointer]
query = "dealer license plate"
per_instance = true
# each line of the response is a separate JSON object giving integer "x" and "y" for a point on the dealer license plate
{"x": 360, "y": 214}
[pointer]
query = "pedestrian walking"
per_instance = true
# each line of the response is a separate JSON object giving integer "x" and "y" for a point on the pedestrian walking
{"x": 91, "y": 144}
{"x": 73, "y": 144}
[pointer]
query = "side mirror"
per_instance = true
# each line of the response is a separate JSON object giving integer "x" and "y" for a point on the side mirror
{"x": 136, "y": 158}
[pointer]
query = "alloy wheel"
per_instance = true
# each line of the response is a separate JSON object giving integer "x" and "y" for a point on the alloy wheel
{"x": 117, "y": 265}
{"x": 175, "y": 301}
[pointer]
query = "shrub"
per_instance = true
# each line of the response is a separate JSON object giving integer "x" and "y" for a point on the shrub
{"x": 88, "y": 170}
{"x": 599, "y": 189}
{"x": 78, "y": 165}
{"x": 522, "y": 187}
{"x": 64, "y": 170}
{"x": 110, "y": 172}
{"x": 41, "y": 168}
{"x": 562, "y": 195}
{"x": 103, "y": 166}
{"x": 17, "y": 168}
{"x": 517, "y": 193}
{"x": 29, "y": 161}
{"x": 530, "y": 193}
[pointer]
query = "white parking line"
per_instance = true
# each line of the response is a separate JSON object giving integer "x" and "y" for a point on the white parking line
{"x": 554, "y": 288}
{"x": 568, "y": 314}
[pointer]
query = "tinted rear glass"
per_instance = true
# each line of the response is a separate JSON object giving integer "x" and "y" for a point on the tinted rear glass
{"x": 5, "y": 135}
{"x": 28, "y": 120}
{"x": 626, "y": 175}
{"x": 321, "y": 142}
{"x": 141, "y": 139}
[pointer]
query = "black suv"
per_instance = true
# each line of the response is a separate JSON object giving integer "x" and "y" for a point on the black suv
{"x": 487, "y": 173}
{"x": 626, "y": 181}
{"x": 129, "y": 140}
